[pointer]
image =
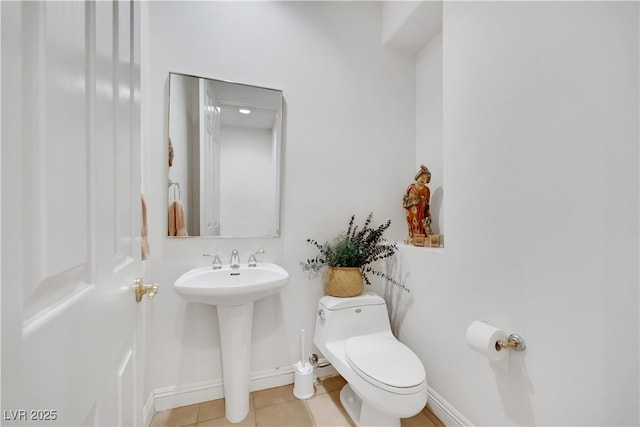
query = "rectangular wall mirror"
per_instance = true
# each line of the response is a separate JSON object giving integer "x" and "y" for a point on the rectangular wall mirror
{"x": 224, "y": 158}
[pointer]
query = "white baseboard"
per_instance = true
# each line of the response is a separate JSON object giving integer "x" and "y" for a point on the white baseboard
{"x": 175, "y": 396}
{"x": 188, "y": 394}
{"x": 148, "y": 410}
{"x": 445, "y": 412}
{"x": 271, "y": 378}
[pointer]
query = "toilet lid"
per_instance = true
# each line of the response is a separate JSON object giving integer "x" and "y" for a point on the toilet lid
{"x": 384, "y": 360}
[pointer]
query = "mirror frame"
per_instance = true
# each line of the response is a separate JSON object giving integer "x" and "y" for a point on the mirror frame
{"x": 278, "y": 158}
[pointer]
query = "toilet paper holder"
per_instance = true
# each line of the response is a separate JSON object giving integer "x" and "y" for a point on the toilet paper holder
{"x": 514, "y": 342}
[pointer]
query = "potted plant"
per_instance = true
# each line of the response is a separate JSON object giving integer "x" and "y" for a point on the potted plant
{"x": 349, "y": 257}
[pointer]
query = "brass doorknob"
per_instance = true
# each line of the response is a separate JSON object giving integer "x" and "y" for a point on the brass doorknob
{"x": 142, "y": 289}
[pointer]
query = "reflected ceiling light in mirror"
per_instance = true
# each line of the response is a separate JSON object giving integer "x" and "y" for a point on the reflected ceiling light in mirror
{"x": 244, "y": 110}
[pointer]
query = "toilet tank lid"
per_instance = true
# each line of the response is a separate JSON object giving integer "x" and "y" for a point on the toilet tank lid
{"x": 337, "y": 303}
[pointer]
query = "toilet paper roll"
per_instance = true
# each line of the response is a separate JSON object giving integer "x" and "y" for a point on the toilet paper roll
{"x": 482, "y": 337}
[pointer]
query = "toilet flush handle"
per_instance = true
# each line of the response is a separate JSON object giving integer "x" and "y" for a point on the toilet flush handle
{"x": 322, "y": 314}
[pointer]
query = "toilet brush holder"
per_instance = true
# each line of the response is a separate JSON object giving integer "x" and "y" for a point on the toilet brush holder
{"x": 303, "y": 381}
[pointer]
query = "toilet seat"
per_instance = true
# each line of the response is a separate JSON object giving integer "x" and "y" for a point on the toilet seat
{"x": 385, "y": 362}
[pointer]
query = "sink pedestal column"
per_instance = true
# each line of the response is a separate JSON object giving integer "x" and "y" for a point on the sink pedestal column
{"x": 235, "y": 342}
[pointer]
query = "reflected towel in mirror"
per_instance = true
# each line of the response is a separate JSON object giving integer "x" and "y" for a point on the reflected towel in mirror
{"x": 177, "y": 225}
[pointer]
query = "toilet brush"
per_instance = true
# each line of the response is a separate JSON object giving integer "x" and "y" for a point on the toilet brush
{"x": 303, "y": 379}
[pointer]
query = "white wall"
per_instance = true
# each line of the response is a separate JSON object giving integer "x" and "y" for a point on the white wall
{"x": 247, "y": 204}
{"x": 429, "y": 144}
{"x": 348, "y": 149}
{"x": 408, "y": 25}
{"x": 395, "y": 15}
{"x": 541, "y": 177}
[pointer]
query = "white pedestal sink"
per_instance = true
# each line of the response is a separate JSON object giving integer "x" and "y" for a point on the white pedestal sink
{"x": 233, "y": 291}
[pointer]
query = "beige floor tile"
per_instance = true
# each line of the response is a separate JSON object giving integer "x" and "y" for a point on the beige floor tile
{"x": 329, "y": 384}
{"x": 278, "y": 407}
{"x": 327, "y": 410}
{"x": 420, "y": 420}
{"x": 289, "y": 414}
{"x": 176, "y": 417}
{"x": 433, "y": 418}
{"x": 211, "y": 410}
{"x": 272, "y": 396}
{"x": 249, "y": 421}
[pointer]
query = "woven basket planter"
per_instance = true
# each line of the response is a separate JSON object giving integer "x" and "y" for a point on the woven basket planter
{"x": 344, "y": 282}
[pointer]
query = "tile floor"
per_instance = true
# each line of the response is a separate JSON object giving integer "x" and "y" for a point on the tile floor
{"x": 278, "y": 407}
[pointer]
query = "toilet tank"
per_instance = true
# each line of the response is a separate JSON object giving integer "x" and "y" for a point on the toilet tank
{"x": 341, "y": 318}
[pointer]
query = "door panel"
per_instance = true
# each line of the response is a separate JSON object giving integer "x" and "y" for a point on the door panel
{"x": 54, "y": 66}
{"x": 70, "y": 233}
{"x": 123, "y": 197}
{"x": 209, "y": 161}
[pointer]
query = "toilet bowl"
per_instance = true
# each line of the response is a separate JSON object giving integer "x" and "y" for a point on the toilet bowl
{"x": 386, "y": 381}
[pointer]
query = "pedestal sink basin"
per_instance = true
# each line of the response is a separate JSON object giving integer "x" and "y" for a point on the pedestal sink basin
{"x": 233, "y": 291}
{"x": 231, "y": 286}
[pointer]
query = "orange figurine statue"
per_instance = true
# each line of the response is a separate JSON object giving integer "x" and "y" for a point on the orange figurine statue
{"x": 416, "y": 202}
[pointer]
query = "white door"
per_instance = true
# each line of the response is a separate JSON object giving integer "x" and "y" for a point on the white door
{"x": 209, "y": 161}
{"x": 70, "y": 212}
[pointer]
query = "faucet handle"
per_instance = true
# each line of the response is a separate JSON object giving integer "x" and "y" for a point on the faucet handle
{"x": 252, "y": 257}
{"x": 217, "y": 263}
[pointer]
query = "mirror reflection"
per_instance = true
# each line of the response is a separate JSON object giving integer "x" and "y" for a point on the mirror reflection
{"x": 224, "y": 158}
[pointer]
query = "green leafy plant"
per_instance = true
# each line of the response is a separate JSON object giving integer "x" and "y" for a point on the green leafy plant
{"x": 357, "y": 247}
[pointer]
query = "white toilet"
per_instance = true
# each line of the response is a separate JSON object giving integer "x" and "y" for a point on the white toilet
{"x": 386, "y": 381}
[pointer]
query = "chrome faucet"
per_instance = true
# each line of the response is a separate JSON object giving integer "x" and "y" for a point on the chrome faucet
{"x": 235, "y": 259}
{"x": 217, "y": 264}
{"x": 253, "y": 262}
